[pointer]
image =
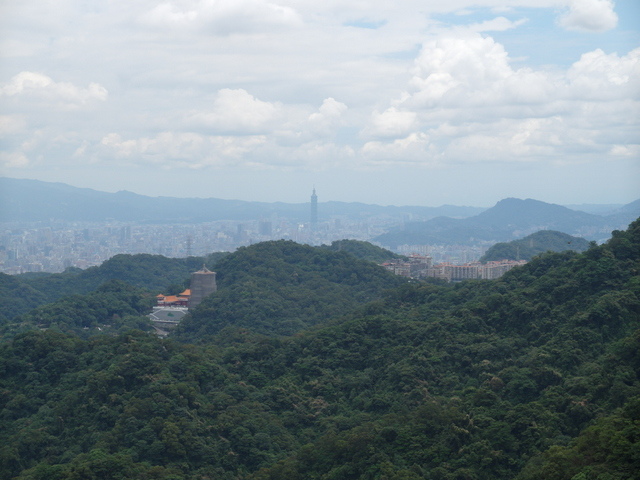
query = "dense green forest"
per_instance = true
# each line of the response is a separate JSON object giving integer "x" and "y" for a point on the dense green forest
{"x": 151, "y": 272}
{"x": 114, "y": 307}
{"x": 363, "y": 250}
{"x": 275, "y": 288}
{"x": 282, "y": 287}
{"x": 19, "y": 297}
{"x": 533, "y": 375}
{"x": 528, "y": 247}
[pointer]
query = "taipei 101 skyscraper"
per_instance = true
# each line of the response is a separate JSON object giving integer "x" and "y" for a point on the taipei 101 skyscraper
{"x": 314, "y": 209}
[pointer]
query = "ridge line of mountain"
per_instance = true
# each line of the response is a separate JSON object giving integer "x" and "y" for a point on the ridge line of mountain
{"x": 34, "y": 200}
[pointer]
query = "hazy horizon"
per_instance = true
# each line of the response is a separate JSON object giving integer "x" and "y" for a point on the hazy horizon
{"x": 321, "y": 200}
{"x": 415, "y": 103}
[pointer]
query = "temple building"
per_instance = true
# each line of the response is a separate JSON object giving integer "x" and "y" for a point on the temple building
{"x": 180, "y": 300}
{"x": 170, "y": 309}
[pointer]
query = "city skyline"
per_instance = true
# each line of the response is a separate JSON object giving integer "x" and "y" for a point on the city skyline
{"x": 415, "y": 103}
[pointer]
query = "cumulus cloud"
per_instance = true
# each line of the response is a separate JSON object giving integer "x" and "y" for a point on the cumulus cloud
{"x": 237, "y": 111}
{"x": 11, "y": 124}
{"x": 471, "y": 71}
{"x": 41, "y": 89}
{"x": 475, "y": 70}
{"x": 242, "y": 83}
{"x": 392, "y": 123}
{"x": 508, "y": 141}
{"x": 223, "y": 17}
{"x": 590, "y": 16}
{"x": 466, "y": 102}
{"x": 626, "y": 151}
{"x": 449, "y": 68}
{"x": 13, "y": 160}
{"x": 414, "y": 148}
{"x": 498, "y": 24}
{"x": 606, "y": 76}
{"x": 238, "y": 129}
{"x": 191, "y": 150}
{"x": 316, "y": 156}
{"x": 328, "y": 117}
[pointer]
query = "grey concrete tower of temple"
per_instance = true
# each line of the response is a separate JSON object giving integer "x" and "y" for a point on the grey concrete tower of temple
{"x": 203, "y": 284}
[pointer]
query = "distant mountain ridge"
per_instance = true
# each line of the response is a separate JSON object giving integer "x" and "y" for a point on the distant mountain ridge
{"x": 35, "y": 201}
{"x": 510, "y": 219}
{"x": 522, "y": 214}
{"x": 596, "y": 208}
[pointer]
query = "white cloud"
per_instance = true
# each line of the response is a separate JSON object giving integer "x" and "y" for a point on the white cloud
{"x": 237, "y": 111}
{"x": 328, "y": 117}
{"x": 474, "y": 70}
{"x": 507, "y": 141}
{"x": 266, "y": 83}
{"x": 223, "y": 17}
{"x": 452, "y": 67}
{"x": 498, "y": 24}
{"x": 391, "y": 123}
{"x": 626, "y": 151}
{"x": 11, "y": 124}
{"x": 191, "y": 150}
{"x": 40, "y": 87}
{"x": 606, "y": 76}
{"x": 330, "y": 110}
{"x": 238, "y": 130}
{"x": 13, "y": 160}
{"x": 319, "y": 155}
{"x": 466, "y": 103}
{"x": 414, "y": 149}
{"x": 590, "y": 16}
{"x": 169, "y": 15}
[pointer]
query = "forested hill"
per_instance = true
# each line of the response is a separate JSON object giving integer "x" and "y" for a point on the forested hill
{"x": 113, "y": 296}
{"x": 534, "y": 244}
{"x": 151, "y": 272}
{"x": 362, "y": 250}
{"x": 282, "y": 287}
{"x": 531, "y": 376}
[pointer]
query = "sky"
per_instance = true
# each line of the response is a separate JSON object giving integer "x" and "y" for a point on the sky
{"x": 412, "y": 102}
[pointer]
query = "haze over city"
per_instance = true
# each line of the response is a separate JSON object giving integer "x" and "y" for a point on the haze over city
{"x": 411, "y": 103}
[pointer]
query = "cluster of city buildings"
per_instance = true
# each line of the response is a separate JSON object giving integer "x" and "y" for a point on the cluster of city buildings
{"x": 421, "y": 266}
{"x": 58, "y": 246}
{"x": 55, "y": 246}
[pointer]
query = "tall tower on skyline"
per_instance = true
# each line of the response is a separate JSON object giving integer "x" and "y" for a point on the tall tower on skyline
{"x": 314, "y": 209}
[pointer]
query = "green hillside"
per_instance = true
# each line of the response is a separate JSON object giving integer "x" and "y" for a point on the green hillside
{"x": 18, "y": 297}
{"x": 151, "y": 272}
{"x": 533, "y": 375}
{"x": 528, "y": 247}
{"x": 114, "y": 307}
{"x": 281, "y": 288}
{"x": 362, "y": 250}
